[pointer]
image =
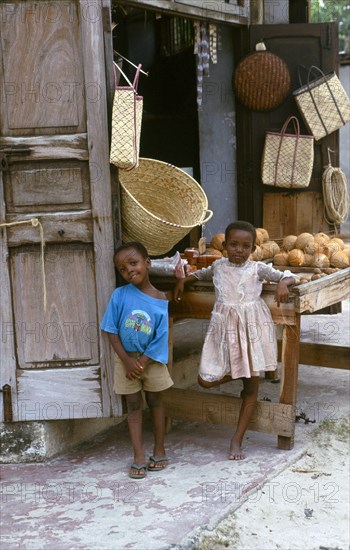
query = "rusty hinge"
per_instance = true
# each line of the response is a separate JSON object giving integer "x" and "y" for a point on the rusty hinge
{"x": 7, "y": 402}
{"x": 6, "y": 152}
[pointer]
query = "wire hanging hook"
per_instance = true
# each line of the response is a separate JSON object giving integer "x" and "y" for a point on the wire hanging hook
{"x": 329, "y": 151}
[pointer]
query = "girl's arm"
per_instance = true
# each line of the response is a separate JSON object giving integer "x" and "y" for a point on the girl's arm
{"x": 180, "y": 286}
{"x": 206, "y": 273}
{"x": 282, "y": 290}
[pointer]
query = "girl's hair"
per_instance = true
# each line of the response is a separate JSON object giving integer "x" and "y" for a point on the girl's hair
{"x": 136, "y": 246}
{"x": 242, "y": 226}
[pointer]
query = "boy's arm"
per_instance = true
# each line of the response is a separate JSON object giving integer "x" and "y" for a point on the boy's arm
{"x": 133, "y": 366}
{"x": 282, "y": 290}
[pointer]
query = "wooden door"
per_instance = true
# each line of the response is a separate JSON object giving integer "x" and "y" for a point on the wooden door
{"x": 283, "y": 212}
{"x": 55, "y": 167}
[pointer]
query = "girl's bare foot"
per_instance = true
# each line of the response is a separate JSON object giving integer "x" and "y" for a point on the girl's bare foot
{"x": 236, "y": 452}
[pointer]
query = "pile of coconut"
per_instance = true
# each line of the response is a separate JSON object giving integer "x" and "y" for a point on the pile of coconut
{"x": 304, "y": 250}
{"x": 317, "y": 250}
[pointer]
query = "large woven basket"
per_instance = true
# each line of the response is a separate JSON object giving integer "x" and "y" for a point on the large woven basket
{"x": 160, "y": 204}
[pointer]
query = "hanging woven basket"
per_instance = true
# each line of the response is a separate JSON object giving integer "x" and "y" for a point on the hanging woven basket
{"x": 262, "y": 80}
{"x": 160, "y": 204}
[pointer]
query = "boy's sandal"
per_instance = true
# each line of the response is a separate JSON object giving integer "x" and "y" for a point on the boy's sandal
{"x": 138, "y": 468}
{"x": 154, "y": 460}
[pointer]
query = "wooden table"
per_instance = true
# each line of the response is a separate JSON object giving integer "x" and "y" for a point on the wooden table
{"x": 277, "y": 418}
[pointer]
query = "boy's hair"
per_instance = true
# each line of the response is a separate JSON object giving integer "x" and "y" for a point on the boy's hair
{"x": 243, "y": 226}
{"x": 139, "y": 247}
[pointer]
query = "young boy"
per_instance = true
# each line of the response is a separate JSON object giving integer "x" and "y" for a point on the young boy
{"x": 136, "y": 320}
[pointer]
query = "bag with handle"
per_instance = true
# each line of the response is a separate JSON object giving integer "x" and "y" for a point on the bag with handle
{"x": 126, "y": 124}
{"x": 288, "y": 158}
{"x": 323, "y": 103}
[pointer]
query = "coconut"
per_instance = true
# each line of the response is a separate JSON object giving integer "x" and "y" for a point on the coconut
{"x": 270, "y": 248}
{"x": 346, "y": 251}
{"x": 280, "y": 259}
{"x": 330, "y": 248}
{"x": 307, "y": 259}
{"x": 320, "y": 260}
{"x": 316, "y": 276}
{"x": 217, "y": 241}
{"x": 339, "y": 259}
{"x": 264, "y": 233}
{"x": 289, "y": 242}
{"x": 296, "y": 257}
{"x": 257, "y": 255}
{"x": 339, "y": 241}
{"x": 313, "y": 247}
{"x": 303, "y": 240}
{"x": 321, "y": 238}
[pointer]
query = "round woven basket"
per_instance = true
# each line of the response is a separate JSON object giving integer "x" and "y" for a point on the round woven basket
{"x": 262, "y": 81}
{"x": 160, "y": 204}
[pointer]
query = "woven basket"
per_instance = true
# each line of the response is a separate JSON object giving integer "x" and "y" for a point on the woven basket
{"x": 287, "y": 159}
{"x": 160, "y": 204}
{"x": 262, "y": 81}
{"x": 323, "y": 103}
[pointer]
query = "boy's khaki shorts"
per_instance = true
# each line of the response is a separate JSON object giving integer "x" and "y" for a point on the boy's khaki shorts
{"x": 155, "y": 378}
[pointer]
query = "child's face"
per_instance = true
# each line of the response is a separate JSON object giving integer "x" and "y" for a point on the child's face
{"x": 132, "y": 266}
{"x": 239, "y": 246}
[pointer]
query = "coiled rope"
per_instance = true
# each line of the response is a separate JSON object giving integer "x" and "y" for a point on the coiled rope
{"x": 335, "y": 194}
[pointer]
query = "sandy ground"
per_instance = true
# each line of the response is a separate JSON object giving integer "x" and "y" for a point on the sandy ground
{"x": 305, "y": 507}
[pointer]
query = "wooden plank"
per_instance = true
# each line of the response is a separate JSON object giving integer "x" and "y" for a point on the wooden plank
{"x": 289, "y": 383}
{"x": 322, "y": 297}
{"x": 200, "y": 406}
{"x": 199, "y": 305}
{"x": 321, "y": 355}
{"x": 72, "y": 146}
{"x": 341, "y": 276}
{"x": 293, "y": 213}
{"x": 7, "y": 339}
{"x": 222, "y": 12}
{"x": 62, "y": 227}
{"x": 98, "y": 146}
{"x": 43, "y": 395}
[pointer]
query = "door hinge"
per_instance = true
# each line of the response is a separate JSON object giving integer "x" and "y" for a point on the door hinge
{"x": 7, "y": 402}
{"x": 6, "y": 152}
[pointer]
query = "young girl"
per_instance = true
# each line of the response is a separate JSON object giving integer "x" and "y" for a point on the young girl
{"x": 240, "y": 340}
{"x": 136, "y": 321}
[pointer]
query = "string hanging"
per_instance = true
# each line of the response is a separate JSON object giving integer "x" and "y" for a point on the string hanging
{"x": 35, "y": 223}
{"x": 335, "y": 194}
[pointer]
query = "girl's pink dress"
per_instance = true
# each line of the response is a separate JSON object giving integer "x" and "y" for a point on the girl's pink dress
{"x": 241, "y": 338}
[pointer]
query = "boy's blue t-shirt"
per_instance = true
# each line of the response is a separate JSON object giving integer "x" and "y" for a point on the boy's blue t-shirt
{"x": 140, "y": 321}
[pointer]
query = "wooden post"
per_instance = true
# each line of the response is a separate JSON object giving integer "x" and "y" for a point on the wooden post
{"x": 290, "y": 363}
{"x": 168, "y": 419}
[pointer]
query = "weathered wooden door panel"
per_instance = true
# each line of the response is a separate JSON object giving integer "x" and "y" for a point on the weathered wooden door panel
{"x": 66, "y": 334}
{"x": 43, "y": 83}
{"x": 54, "y": 110}
{"x": 64, "y": 184}
{"x": 69, "y": 394}
{"x": 296, "y": 44}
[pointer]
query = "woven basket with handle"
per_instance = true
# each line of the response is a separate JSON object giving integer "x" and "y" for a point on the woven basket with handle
{"x": 160, "y": 204}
